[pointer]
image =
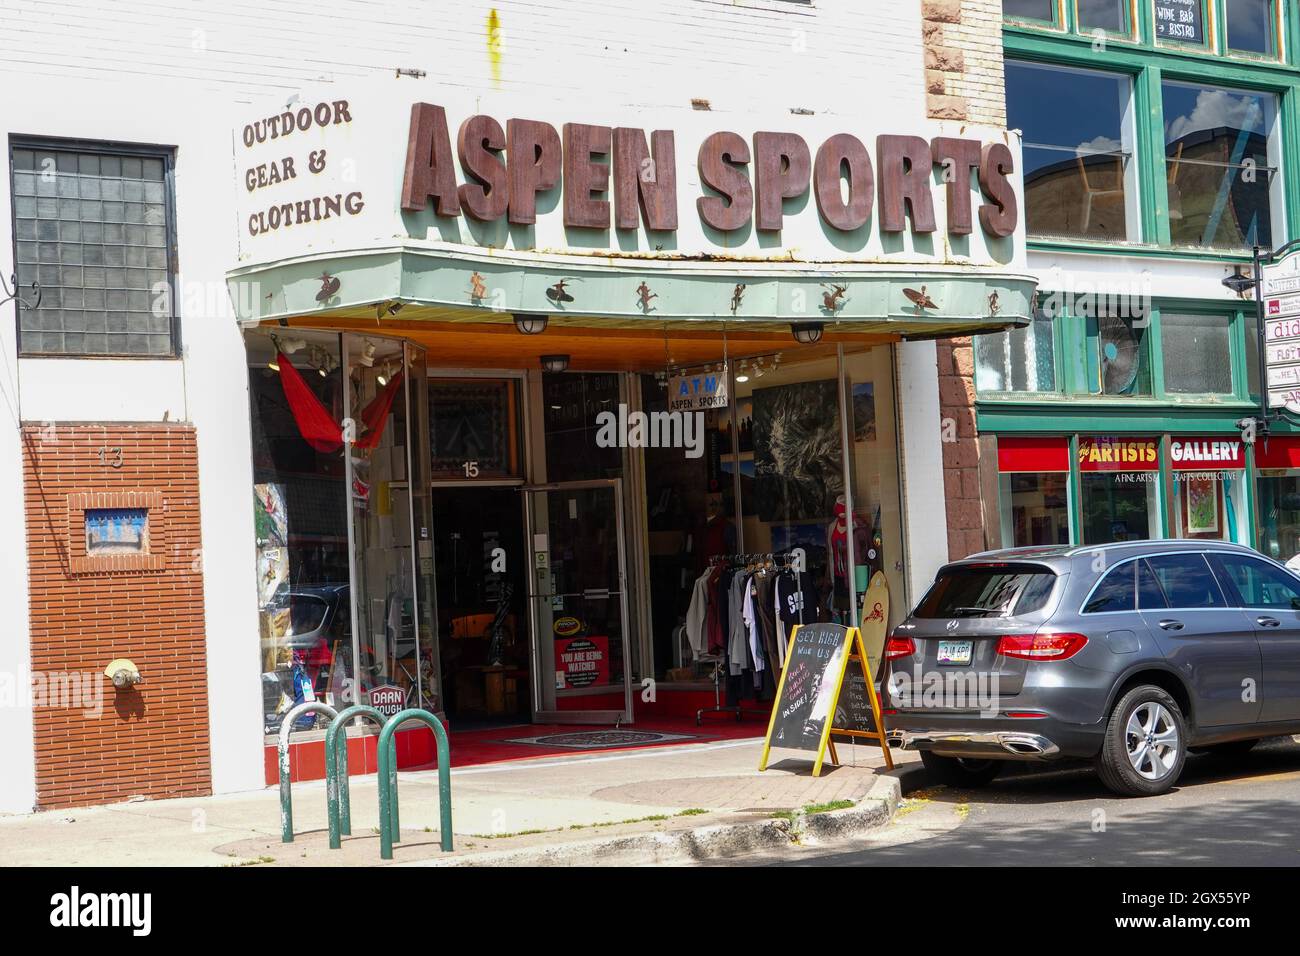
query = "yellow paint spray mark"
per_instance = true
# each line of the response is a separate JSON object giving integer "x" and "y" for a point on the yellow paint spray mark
{"x": 494, "y": 44}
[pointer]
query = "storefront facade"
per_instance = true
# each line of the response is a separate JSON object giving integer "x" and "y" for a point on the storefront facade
{"x": 1125, "y": 409}
{"x": 510, "y": 350}
{"x": 587, "y": 385}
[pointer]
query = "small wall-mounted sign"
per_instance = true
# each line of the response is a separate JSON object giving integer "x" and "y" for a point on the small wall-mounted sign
{"x": 117, "y": 530}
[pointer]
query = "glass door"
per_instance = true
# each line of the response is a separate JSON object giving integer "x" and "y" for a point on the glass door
{"x": 578, "y": 602}
{"x": 389, "y": 526}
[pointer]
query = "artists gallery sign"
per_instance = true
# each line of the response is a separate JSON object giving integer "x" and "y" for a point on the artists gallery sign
{"x": 502, "y": 171}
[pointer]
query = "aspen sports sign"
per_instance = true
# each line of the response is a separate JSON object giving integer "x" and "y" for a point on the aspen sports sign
{"x": 504, "y": 170}
{"x": 394, "y": 163}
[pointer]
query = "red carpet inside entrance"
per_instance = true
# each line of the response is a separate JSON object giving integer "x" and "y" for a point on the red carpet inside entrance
{"x": 474, "y": 747}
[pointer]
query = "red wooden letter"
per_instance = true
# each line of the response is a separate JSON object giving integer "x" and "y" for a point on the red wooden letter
{"x": 645, "y": 177}
{"x": 781, "y": 170}
{"x": 957, "y": 157}
{"x": 478, "y": 144}
{"x": 903, "y": 165}
{"x": 998, "y": 216}
{"x": 533, "y": 151}
{"x": 733, "y": 208}
{"x": 429, "y": 167}
{"x": 583, "y": 177}
{"x": 838, "y": 151}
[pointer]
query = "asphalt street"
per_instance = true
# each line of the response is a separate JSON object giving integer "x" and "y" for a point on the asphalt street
{"x": 1225, "y": 811}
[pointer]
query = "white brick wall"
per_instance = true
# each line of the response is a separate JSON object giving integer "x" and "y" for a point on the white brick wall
{"x": 835, "y": 55}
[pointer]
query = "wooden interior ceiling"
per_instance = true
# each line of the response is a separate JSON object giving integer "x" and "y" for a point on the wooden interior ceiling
{"x": 462, "y": 339}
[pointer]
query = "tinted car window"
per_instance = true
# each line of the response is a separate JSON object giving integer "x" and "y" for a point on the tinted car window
{"x": 1186, "y": 580}
{"x": 1258, "y": 583}
{"x": 306, "y": 613}
{"x": 1150, "y": 597}
{"x": 974, "y": 591}
{"x": 1114, "y": 593}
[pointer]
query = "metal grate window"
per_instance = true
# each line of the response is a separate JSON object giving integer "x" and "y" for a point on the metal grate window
{"x": 93, "y": 227}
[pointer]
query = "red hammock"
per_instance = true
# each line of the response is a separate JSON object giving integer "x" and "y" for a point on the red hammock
{"x": 317, "y": 427}
{"x": 375, "y": 415}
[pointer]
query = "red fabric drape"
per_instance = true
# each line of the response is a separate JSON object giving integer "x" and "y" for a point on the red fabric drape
{"x": 375, "y": 415}
{"x": 316, "y": 425}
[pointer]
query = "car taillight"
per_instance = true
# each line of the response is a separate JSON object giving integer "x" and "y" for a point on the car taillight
{"x": 897, "y": 647}
{"x": 1041, "y": 647}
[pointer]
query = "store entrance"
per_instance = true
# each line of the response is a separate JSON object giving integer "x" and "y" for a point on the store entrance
{"x": 579, "y": 596}
{"x": 482, "y": 605}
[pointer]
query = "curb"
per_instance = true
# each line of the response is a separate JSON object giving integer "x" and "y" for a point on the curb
{"x": 716, "y": 841}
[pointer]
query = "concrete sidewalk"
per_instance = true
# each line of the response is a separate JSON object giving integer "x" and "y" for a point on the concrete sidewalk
{"x": 660, "y": 803}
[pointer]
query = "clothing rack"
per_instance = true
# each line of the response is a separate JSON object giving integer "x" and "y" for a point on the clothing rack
{"x": 781, "y": 560}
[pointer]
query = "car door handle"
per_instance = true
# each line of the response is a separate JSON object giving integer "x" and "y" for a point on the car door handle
{"x": 1268, "y": 622}
{"x": 1171, "y": 625}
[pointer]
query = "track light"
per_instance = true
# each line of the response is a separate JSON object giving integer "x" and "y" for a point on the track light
{"x": 530, "y": 324}
{"x": 367, "y": 356}
{"x": 1239, "y": 282}
{"x": 809, "y": 333}
{"x": 555, "y": 363}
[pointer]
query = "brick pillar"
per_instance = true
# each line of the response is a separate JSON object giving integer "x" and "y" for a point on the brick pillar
{"x": 95, "y": 744}
{"x": 963, "y": 78}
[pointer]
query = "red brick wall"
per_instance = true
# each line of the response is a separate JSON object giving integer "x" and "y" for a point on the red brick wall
{"x": 961, "y": 448}
{"x": 151, "y": 740}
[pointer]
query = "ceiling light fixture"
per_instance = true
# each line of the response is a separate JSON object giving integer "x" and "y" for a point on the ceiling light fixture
{"x": 555, "y": 363}
{"x": 809, "y": 333}
{"x": 530, "y": 324}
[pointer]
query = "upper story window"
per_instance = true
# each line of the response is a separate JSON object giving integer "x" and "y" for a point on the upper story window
{"x": 1120, "y": 354}
{"x": 1110, "y": 16}
{"x": 93, "y": 226}
{"x": 1237, "y": 28}
{"x": 1197, "y": 356}
{"x": 1251, "y": 25}
{"x": 1017, "y": 360}
{"x": 1220, "y": 168}
{"x": 1044, "y": 10}
{"x": 1080, "y": 173}
{"x": 1180, "y": 21}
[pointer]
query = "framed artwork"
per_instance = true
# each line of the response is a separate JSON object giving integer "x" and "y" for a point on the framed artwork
{"x": 864, "y": 411}
{"x": 797, "y": 463}
{"x": 1202, "y": 494}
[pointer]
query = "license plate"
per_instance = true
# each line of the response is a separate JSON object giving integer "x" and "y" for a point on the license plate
{"x": 954, "y": 652}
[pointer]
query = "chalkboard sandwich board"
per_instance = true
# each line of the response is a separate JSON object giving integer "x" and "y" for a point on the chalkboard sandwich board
{"x": 813, "y": 697}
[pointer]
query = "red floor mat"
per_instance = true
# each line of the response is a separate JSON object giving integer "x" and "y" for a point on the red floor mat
{"x": 474, "y": 747}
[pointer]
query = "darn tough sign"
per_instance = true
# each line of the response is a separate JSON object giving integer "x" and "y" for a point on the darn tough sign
{"x": 619, "y": 176}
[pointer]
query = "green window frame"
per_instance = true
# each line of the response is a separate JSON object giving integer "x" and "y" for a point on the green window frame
{"x": 1056, "y": 342}
{"x": 1055, "y": 13}
{"x": 1150, "y": 69}
{"x": 1140, "y": 26}
{"x": 1126, "y": 33}
{"x": 1276, "y": 24}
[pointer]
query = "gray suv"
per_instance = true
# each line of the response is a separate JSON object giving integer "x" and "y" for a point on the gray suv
{"x": 1127, "y": 654}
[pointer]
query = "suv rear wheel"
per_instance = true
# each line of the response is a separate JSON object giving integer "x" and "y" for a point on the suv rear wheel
{"x": 960, "y": 771}
{"x": 1145, "y": 744}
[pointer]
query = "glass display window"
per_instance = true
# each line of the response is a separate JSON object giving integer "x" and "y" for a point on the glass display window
{"x": 1208, "y": 476}
{"x": 1034, "y": 490}
{"x": 1119, "y": 488}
